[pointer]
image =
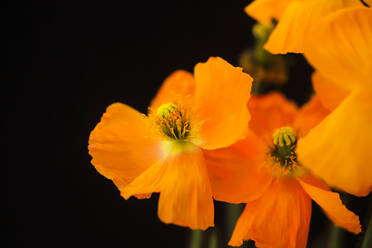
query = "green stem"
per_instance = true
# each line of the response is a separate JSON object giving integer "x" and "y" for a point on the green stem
{"x": 213, "y": 240}
{"x": 367, "y": 242}
{"x": 196, "y": 239}
{"x": 233, "y": 212}
{"x": 335, "y": 240}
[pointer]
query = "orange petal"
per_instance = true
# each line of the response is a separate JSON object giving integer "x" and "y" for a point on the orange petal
{"x": 331, "y": 204}
{"x": 185, "y": 193}
{"x": 177, "y": 88}
{"x": 221, "y": 96}
{"x": 309, "y": 116}
{"x": 338, "y": 149}
{"x": 297, "y": 19}
{"x": 120, "y": 145}
{"x": 340, "y": 47}
{"x": 235, "y": 172}
{"x": 328, "y": 92}
{"x": 280, "y": 218}
{"x": 266, "y": 10}
{"x": 270, "y": 112}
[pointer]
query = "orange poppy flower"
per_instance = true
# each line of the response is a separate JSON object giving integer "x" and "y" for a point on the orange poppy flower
{"x": 278, "y": 195}
{"x": 164, "y": 151}
{"x": 295, "y": 19}
{"x": 343, "y": 140}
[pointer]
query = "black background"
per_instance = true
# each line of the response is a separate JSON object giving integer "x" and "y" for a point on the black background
{"x": 67, "y": 61}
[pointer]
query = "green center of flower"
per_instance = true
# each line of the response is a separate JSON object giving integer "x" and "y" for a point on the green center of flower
{"x": 173, "y": 121}
{"x": 283, "y": 152}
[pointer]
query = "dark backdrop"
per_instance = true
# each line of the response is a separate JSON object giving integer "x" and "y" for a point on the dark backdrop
{"x": 67, "y": 61}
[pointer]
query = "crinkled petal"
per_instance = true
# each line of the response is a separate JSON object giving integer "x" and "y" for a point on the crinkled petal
{"x": 280, "y": 218}
{"x": 340, "y": 47}
{"x": 297, "y": 19}
{"x": 185, "y": 192}
{"x": 221, "y": 95}
{"x": 266, "y": 10}
{"x": 309, "y": 116}
{"x": 329, "y": 93}
{"x": 270, "y": 112}
{"x": 338, "y": 149}
{"x": 177, "y": 88}
{"x": 331, "y": 204}
{"x": 235, "y": 172}
{"x": 120, "y": 144}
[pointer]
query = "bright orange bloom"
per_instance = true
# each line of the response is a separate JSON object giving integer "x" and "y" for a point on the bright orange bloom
{"x": 164, "y": 151}
{"x": 343, "y": 81}
{"x": 266, "y": 174}
{"x": 295, "y": 19}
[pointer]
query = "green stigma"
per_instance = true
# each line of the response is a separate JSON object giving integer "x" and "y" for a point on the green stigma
{"x": 284, "y": 151}
{"x": 284, "y": 136}
{"x": 165, "y": 109}
{"x": 173, "y": 122}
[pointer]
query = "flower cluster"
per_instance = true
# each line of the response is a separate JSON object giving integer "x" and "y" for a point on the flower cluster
{"x": 207, "y": 136}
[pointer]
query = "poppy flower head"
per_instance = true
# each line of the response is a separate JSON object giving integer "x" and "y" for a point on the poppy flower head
{"x": 163, "y": 152}
{"x": 285, "y": 186}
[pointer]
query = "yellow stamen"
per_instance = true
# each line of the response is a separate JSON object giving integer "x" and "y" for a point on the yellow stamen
{"x": 173, "y": 121}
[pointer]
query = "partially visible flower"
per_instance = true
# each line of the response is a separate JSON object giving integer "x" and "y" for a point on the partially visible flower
{"x": 295, "y": 19}
{"x": 266, "y": 174}
{"x": 342, "y": 142}
{"x": 276, "y": 73}
{"x": 164, "y": 151}
{"x": 262, "y": 65}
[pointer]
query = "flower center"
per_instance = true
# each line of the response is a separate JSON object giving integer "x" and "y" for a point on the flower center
{"x": 173, "y": 121}
{"x": 283, "y": 153}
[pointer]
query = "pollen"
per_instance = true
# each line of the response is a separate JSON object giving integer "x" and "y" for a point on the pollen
{"x": 283, "y": 153}
{"x": 173, "y": 121}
